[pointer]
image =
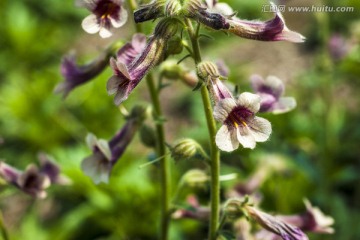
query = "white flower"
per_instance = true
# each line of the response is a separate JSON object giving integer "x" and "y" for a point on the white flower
{"x": 240, "y": 125}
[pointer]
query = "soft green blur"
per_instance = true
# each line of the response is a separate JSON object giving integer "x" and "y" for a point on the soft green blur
{"x": 318, "y": 142}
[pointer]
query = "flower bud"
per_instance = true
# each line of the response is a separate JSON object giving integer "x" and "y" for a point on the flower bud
{"x": 171, "y": 70}
{"x": 148, "y": 136}
{"x": 185, "y": 149}
{"x": 233, "y": 209}
{"x": 207, "y": 70}
{"x": 174, "y": 46}
{"x": 151, "y": 11}
{"x": 138, "y": 114}
{"x": 195, "y": 178}
{"x": 166, "y": 28}
{"x": 173, "y": 8}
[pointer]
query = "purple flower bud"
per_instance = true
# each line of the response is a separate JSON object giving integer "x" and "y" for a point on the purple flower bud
{"x": 105, "y": 155}
{"x": 271, "y": 30}
{"x": 127, "y": 77}
{"x": 150, "y": 11}
{"x": 270, "y": 90}
{"x": 76, "y": 75}
{"x": 106, "y": 14}
{"x": 52, "y": 170}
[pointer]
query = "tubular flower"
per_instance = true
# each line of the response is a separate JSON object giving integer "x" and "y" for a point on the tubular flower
{"x": 313, "y": 220}
{"x": 240, "y": 125}
{"x": 274, "y": 225}
{"x": 105, "y": 15}
{"x": 270, "y": 90}
{"x": 127, "y": 77}
{"x": 33, "y": 181}
{"x": 271, "y": 30}
{"x": 76, "y": 75}
{"x": 150, "y": 11}
{"x": 98, "y": 166}
{"x": 209, "y": 72}
{"x": 129, "y": 51}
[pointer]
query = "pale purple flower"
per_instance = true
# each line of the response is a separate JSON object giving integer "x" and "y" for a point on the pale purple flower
{"x": 271, "y": 90}
{"x": 105, "y": 154}
{"x": 284, "y": 230}
{"x": 76, "y": 75}
{"x": 106, "y": 14}
{"x": 271, "y": 30}
{"x": 240, "y": 125}
{"x": 127, "y": 76}
{"x": 130, "y": 50}
{"x": 313, "y": 220}
{"x": 33, "y": 181}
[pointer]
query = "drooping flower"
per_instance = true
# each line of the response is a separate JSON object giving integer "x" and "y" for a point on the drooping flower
{"x": 270, "y": 90}
{"x": 105, "y": 155}
{"x": 129, "y": 51}
{"x": 33, "y": 181}
{"x": 106, "y": 14}
{"x": 127, "y": 77}
{"x": 240, "y": 125}
{"x": 209, "y": 73}
{"x": 76, "y": 75}
{"x": 284, "y": 230}
{"x": 313, "y": 220}
{"x": 271, "y": 30}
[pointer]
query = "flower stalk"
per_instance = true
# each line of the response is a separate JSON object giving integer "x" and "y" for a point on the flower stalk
{"x": 214, "y": 151}
{"x": 160, "y": 147}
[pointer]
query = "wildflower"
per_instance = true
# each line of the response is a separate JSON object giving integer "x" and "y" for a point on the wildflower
{"x": 209, "y": 72}
{"x": 98, "y": 166}
{"x": 127, "y": 77}
{"x": 76, "y": 75}
{"x": 274, "y": 225}
{"x": 33, "y": 181}
{"x": 240, "y": 125}
{"x": 270, "y": 90}
{"x": 105, "y": 15}
{"x": 313, "y": 220}
{"x": 271, "y": 30}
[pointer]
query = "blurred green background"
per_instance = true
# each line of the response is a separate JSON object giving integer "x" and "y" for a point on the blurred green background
{"x": 319, "y": 140}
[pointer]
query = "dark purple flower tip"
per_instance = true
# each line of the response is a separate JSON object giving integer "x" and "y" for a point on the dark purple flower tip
{"x": 150, "y": 11}
{"x": 129, "y": 51}
{"x": 271, "y": 30}
{"x": 271, "y": 90}
{"x": 8, "y": 173}
{"x": 105, "y": 15}
{"x": 76, "y": 75}
{"x": 49, "y": 168}
{"x": 33, "y": 182}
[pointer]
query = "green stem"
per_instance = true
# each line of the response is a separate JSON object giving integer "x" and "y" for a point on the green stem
{"x": 214, "y": 151}
{"x": 160, "y": 148}
{"x": 4, "y": 232}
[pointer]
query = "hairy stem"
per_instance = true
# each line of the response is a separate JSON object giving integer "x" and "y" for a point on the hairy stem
{"x": 214, "y": 151}
{"x": 161, "y": 147}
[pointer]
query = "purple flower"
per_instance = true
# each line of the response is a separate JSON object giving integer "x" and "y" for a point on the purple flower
{"x": 105, "y": 15}
{"x": 129, "y": 51}
{"x": 270, "y": 90}
{"x": 33, "y": 181}
{"x": 76, "y": 75}
{"x": 274, "y": 225}
{"x": 105, "y": 155}
{"x": 271, "y": 30}
{"x": 127, "y": 76}
{"x": 240, "y": 125}
{"x": 313, "y": 220}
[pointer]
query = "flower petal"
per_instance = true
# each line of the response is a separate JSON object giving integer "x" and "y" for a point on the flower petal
{"x": 105, "y": 32}
{"x": 97, "y": 170}
{"x": 245, "y": 137}
{"x": 250, "y": 101}
{"x": 283, "y": 105}
{"x": 223, "y": 108}
{"x": 123, "y": 16}
{"x": 260, "y": 129}
{"x": 91, "y": 140}
{"x": 91, "y": 24}
{"x": 226, "y": 140}
{"x": 104, "y": 148}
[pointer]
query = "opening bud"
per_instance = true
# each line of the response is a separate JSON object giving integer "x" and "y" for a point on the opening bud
{"x": 148, "y": 136}
{"x": 195, "y": 178}
{"x": 233, "y": 208}
{"x": 207, "y": 70}
{"x": 187, "y": 148}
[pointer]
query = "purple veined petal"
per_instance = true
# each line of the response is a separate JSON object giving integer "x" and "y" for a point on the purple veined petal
{"x": 223, "y": 108}
{"x": 223, "y": 69}
{"x": 271, "y": 30}
{"x": 249, "y": 101}
{"x": 122, "y": 18}
{"x": 245, "y": 137}
{"x": 267, "y": 102}
{"x": 283, "y": 105}
{"x": 271, "y": 85}
{"x": 138, "y": 42}
{"x": 89, "y": 4}
{"x": 226, "y": 139}
{"x": 260, "y": 129}
{"x": 91, "y": 24}
{"x": 9, "y": 173}
{"x": 129, "y": 51}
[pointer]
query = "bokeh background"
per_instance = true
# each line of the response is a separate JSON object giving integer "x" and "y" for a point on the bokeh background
{"x": 318, "y": 142}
